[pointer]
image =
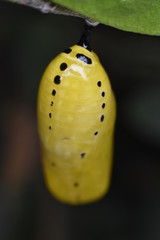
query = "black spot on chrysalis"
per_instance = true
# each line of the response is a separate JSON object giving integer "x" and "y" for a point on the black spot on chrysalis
{"x": 83, "y": 58}
{"x": 63, "y": 66}
{"x": 68, "y": 50}
{"x": 99, "y": 83}
{"x": 103, "y": 105}
{"x": 102, "y": 118}
{"x": 54, "y": 92}
{"x": 83, "y": 155}
{"x": 103, "y": 94}
{"x": 57, "y": 79}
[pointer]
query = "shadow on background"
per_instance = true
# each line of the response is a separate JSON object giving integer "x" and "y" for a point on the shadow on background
{"x": 29, "y": 40}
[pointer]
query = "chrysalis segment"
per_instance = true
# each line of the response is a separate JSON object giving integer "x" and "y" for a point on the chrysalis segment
{"x": 76, "y": 116}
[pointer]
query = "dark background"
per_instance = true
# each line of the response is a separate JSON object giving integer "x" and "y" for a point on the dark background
{"x": 131, "y": 209}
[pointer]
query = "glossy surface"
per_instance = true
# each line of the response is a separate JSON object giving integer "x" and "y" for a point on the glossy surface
{"x": 76, "y": 116}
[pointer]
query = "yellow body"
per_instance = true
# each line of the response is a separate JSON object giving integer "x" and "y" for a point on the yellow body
{"x": 76, "y": 116}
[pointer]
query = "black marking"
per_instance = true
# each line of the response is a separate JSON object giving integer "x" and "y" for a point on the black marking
{"x": 76, "y": 184}
{"x": 51, "y": 103}
{"x": 103, "y": 94}
{"x": 68, "y": 50}
{"x": 83, "y": 58}
{"x": 99, "y": 83}
{"x": 83, "y": 155}
{"x": 102, "y": 118}
{"x": 50, "y": 127}
{"x": 54, "y": 92}
{"x": 85, "y": 38}
{"x": 50, "y": 115}
{"x": 63, "y": 66}
{"x": 57, "y": 79}
{"x": 53, "y": 164}
{"x": 96, "y": 133}
{"x": 103, "y": 105}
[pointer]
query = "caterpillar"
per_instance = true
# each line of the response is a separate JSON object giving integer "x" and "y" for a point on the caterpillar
{"x": 76, "y": 118}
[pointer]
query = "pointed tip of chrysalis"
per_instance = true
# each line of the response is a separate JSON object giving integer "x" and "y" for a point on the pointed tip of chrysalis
{"x": 85, "y": 38}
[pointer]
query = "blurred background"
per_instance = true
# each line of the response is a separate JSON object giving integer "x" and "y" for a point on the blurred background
{"x": 29, "y": 40}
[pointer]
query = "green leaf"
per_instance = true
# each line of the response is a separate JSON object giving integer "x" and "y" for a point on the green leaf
{"x": 141, "y": 16}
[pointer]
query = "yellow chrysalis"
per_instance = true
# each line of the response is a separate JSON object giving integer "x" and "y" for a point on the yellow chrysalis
{"x": 76, "y": 117}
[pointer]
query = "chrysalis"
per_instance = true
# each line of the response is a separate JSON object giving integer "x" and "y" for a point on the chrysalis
{"x": 76, "y": 118}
